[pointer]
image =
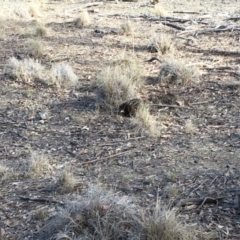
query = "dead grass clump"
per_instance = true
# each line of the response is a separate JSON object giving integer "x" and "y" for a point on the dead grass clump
{"x": 162, "y": 44}
{"x": 66, "y": 182}
{"x": 159, "y": 11}
{"x": 26, "y": 70}
{"x": 145, "y": 121}
{"x": 189, "y": 127}
{"x": 83, "y": 20}
{"x": 40, "y": 214}
{"x": 166, "y": 224}
{"x": 35, "y": 48}
{"x": 41, "y": 31}
{"x": 22, "y": 12}
{"x": 177, "y": 73}
{"x": 119, "y": 83}
{"x": 98, "y": 214}
{"x": 127, "y": 28}
{"x": 3, "y": 27}
{"x": 34, "y": 10}
{"x": 39, "y": 165}
{"x": 5, "y": 173}
{"x": 62, "y": 75}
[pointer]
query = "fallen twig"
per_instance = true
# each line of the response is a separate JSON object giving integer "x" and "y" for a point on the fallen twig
{"x": 221, "y": 28}
{"x": 185, "y": 12}
{"x": 200, "y": 201}
{"x": 232, "y": 18}
{"x": 174, "y": 26}
{"x": 105, "y": 158}
{"x": 173, "y": 106}
{"x": 42, "y": 200}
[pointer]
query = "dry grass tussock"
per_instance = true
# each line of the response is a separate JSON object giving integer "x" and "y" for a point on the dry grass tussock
{"x": 165, "y": 223}
{"x": 162, "y": 44}
{"x": 177, "y": 73}
{"x": 98, "y": 214}
{"x": 159, "y": 11}
{"x": 146, "y": 122}
{"x": 41, "y": 30}
{"x": 39, "y": 165}
{"x": 27, "y": 70}
{"x": 5, "y": 173}
{"x": 22, "y": 12}
{"x": 83, "y": 20}
{"x": 127, "y": 28}
{"x": 35, "y": 48}
{"x": 189, "y": 127}
{"x": 2, "y": 29}
{"x": 66, "y": 182}
{"x": 34, "y": 10}
{"x": 119, "y": 83}
{"x": 62, "y": 75}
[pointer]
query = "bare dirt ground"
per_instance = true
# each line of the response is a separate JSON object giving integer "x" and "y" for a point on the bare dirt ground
{"x": 101, "y": 147}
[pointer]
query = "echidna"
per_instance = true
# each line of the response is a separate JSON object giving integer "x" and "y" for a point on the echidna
{"x": 129, "y": 108}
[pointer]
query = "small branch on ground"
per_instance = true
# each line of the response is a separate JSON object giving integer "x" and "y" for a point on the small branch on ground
{"x": 174, "y": 26}
{"x": 173, "y": 106}
{"x": 42, "y": 200}
{"x": 200, "y": 201}
{"x": 222, "y": 28}
{"x": 105, "y": 158}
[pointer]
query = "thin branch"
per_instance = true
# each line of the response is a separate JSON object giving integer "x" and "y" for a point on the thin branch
{"x": 42, "y": 200}
{"x": 105, "y": 158}
{"x": 200, "y": 201}
{"x": 173, "y": 106}
{"x": 174, "y": 26}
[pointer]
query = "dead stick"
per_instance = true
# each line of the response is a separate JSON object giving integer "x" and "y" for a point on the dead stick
{"x": 174, "y": 26}
{"x": 174, "y": 106}
{"x": 186, "y": 12}
{"x": 92, "y": 4}
{"x": 209, "y": 200}
{"x": 105, "y": 158}
{"x": 199, "y": 103}
{"x": 200, "y": 201}
{"x": 43, "y": 200}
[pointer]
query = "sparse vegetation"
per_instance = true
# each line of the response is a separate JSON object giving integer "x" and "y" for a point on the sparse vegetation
{"x": 165, "y": 223}
{"x": 146, "y": 122}
{"x": 22, "y": 12}
{"x": 159, "y": 11}
{"x": 162, "y": 44}
{"x": 35, "y": 48}
{"x": 127, "y": 28}
{"x": 40, "y": 214}
{"x": 171, "y": 191}
{"x": 173, "y": 146}
{"x": 39, "y": 165}
{"x": 26, "y": 70}
{"x": 41, "y": 30}
{"x": 83, "y": 20}
{"x": 177, "y": 73}
{"x": 189, "y": 127}
{"x": 101, "y": 215}
{"x": 34, "y": 10}
{"x": 62, "y": 75}
{"x": 5, "y": 173}
{"x": 66, "y": 182}
{"x": 119, "y": 83}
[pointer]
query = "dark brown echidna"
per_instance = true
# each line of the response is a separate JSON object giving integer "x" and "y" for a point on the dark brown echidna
{"x": 129, "y": 108}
